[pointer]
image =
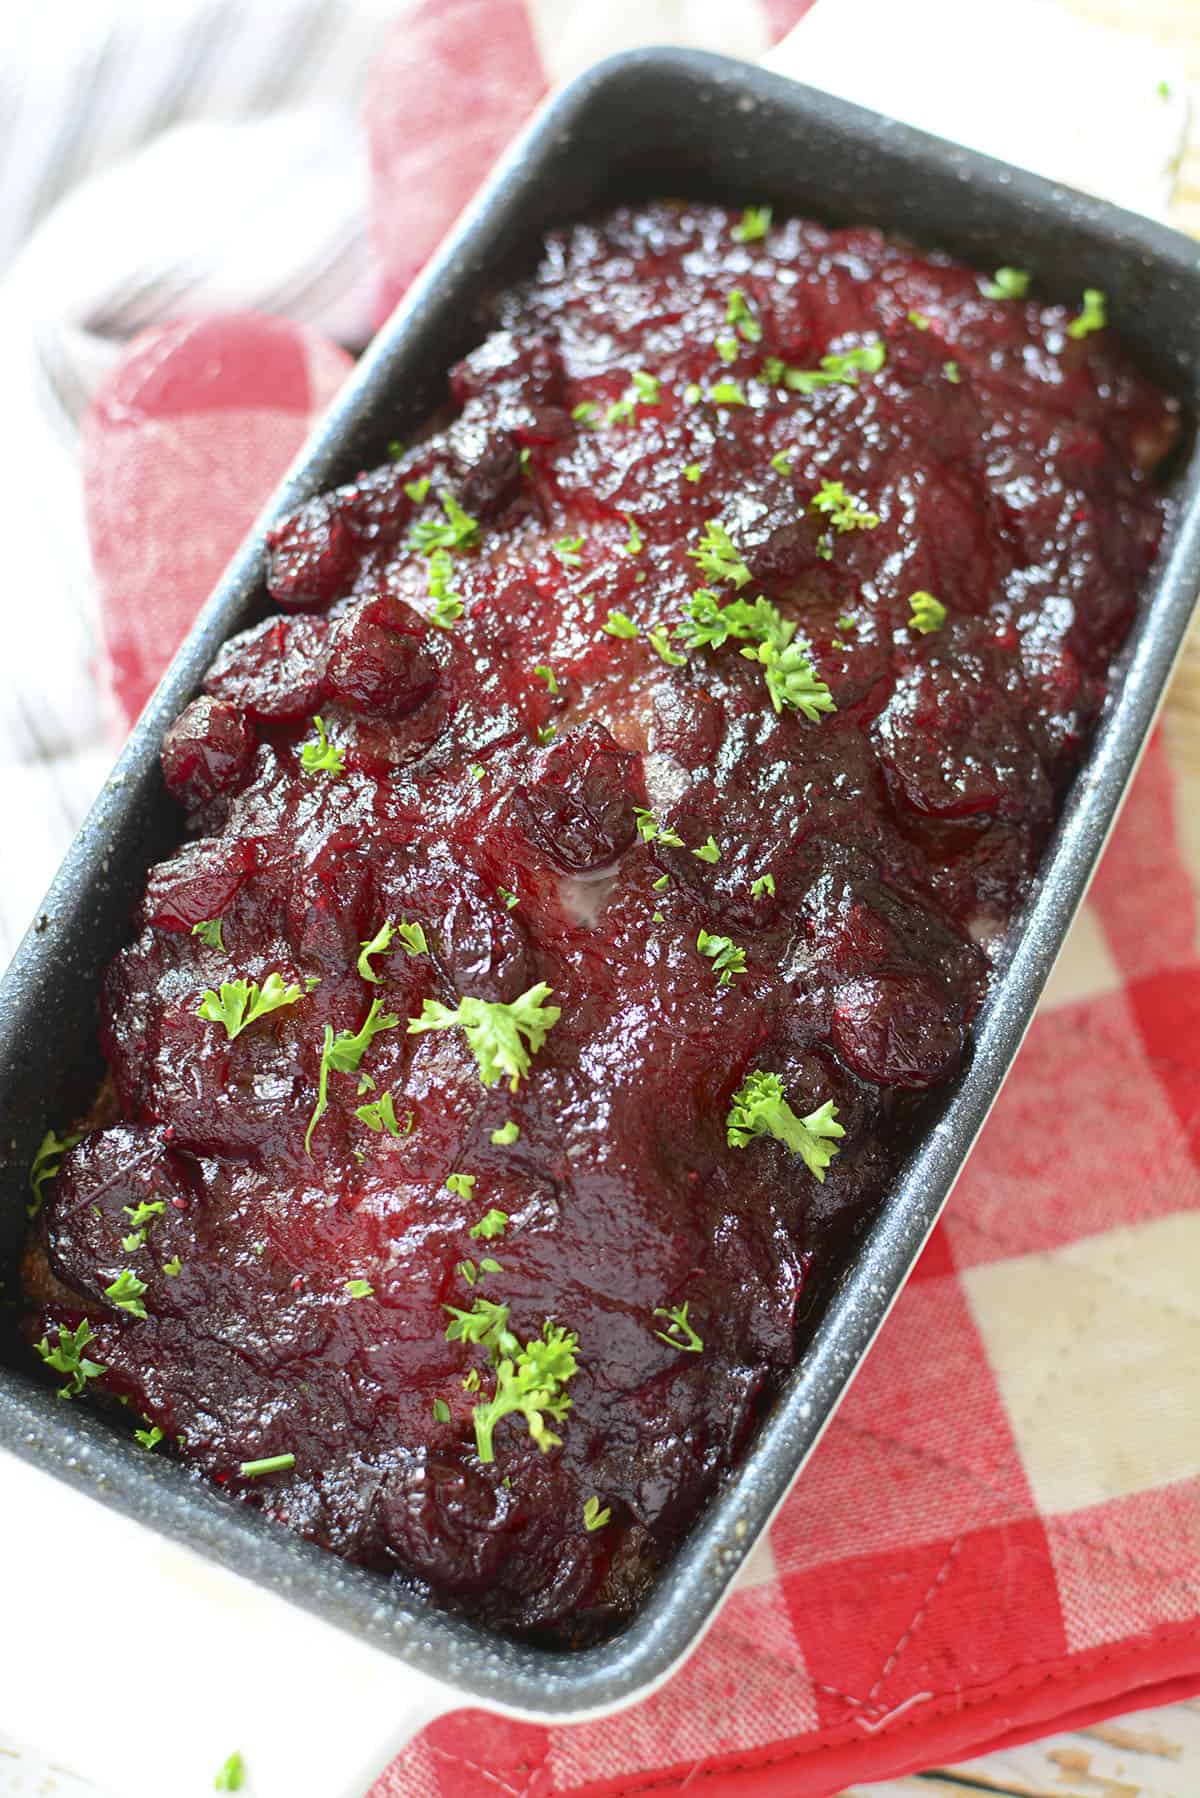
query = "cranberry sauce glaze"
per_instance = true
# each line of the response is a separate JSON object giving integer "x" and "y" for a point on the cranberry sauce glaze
{"x": 839, "y": 795}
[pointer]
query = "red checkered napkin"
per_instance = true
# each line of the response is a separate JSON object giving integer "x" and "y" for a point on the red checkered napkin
{"x": 1000, "y": 1533}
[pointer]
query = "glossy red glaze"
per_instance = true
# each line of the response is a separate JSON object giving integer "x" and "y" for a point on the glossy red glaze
{"x": 899, "y": 833}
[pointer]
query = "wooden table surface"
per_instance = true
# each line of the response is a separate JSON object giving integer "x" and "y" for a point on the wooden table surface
{"x": 1155, "y": 1753}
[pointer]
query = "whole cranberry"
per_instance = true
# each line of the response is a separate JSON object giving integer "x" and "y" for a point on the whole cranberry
{"x": 312, "y": 556}
{"x": 897, "y": 1029}
{"x": 378, "y": 665}
{"x": 581, "y": 805}
{"x": 206, "y": 751}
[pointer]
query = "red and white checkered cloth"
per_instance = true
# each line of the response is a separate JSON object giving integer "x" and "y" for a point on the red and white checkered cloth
{"x": 1000, "y": 1533}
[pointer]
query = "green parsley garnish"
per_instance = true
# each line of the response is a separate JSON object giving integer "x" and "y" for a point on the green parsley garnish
{"x": 718, "y": 558}
{"x": 792, "y": 680}
{"x": 1007, "y": 284}
{"x": 241, "y": 1003}
{"x": 618, "y": 624}
{"x": 663, "y": 881}
{"x": 543, "y": 671}
{"x": 708, "y": 852}
{"x": 661, "y": 643}
{"x": 173, "y": 1268}
{"x": 441, "y": 1411}
{"x": 952, "y": 373}
{"x": 531, "y": 1385}
{"x": 726, "y": 348}
{"x": 494, "y": 1031}
{"x": 467, "y": 1271}
{"x": 692, "y": 472}
{"x": 510, "y": 899}
{"x": 1092, "y": 317}
{"x": 457, "y": 531}
{"x": 727, "y": 959}
{"x": 461, "y": 1185}
{"x": 844, "y": 512}
{"x": 755, "y": 222}
{"x": 233, "y": 1773}
{"x": 448, "y": 606}
{"x": 634, "y": 542}
{"x": 492, "y": 1223}
{"x": 646, "y": 387}
{"x": 781, "y": 463}
{"x": 760, "y": 1109}
{"x": 764, "y": 884}
{"x": 126, "y": 1292}
{"x": 790, "y": 677}
{"x": 489, "y": 1265}
{"x": 545, "y": 733}
{"x": 418, "y": 489}
{"x": 46, "y": 1164}
{"x": 691, "y": 394}
{"x": 726, "y": 393}
{"x": 679, "y": 1332}
{"x": 567, "y": 550}
{"x": 651, "y": 831}
{"x": 507, "y": 1133}
{"x": 359, "y": 1289}
{"x": 485, "y": 1324}
{"x": 69, "y": 1359}
{"x": 379, "y": 1115}
{"x": 585, "y": 412}
{"x": 928, "y": 613}
{"x": 253, "y": 1470}
{"x": 209, "y": 932}
{"x": 341, "y": 1054}
{"x": 322, "y": 756}
{"x": 140, "y": 1215}
{"x": 740, "y": 314}
{"x": 149, "y": 1437}
{"x": 594, "y": 1518}
{"x": 918, "y": 320}
{"x": 837, "y": 368}
{"x": 476, "y": 770}
{"x": 376, "y": 945}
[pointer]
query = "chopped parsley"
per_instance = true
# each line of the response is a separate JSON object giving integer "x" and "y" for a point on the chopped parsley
{"x": 46, "y": 1164}
{"x": 497, "y": 1034}
{"x": 844, "y": 512}
{"x": 140, "y": 1215}
{"x": 708, "y": 851}
{"x": 790, "y": 676}
{"x": 740, "y": 314}
{"x": 595, "y": 1518}
{"x": 69, "y": 1359}
{"x": 476, "y": 770}
{"x": 461, "y": 1185}
{"x": 928, "y": 613}
{"x": 726, "y": 348}
{"x": 691, "y": 394}
{"x": 241, "y": 1003}
{"x": 545, "y": 733}
{"x": 380, "y": 1115}
{"x": 726, "y": 393}
{"x": 692, "y": 472}
{"x": 1093, "y": 315}
{"x": 418, "y": 490}
{"x": 760, "y": 1109}
{"x": 679, "y": 1332}
{"x": 448, "y": 606}
{"x": 233, "y": 1773}
{"x": 792, "y": 680}
{"x": 341, "y": 1054}
{"x": 634, "y": 542}
{"x": 618, "y": 624}
{"x": 508, "y": 1132}
{"x": 458, "y": 530}
{"x": 717, "y": 557}
{"x": 209, "y": 932}
{"x": 467, "y": 1270}
{"x": 661, "y": 644}
{"x": 441, "y": 1411}
{"x": 586, "y": 412}
{"x": 149, "y": 1437}
{"x": 126, "y": 1293}
{"x": 727, "y": 959}
{"x": 754, "y": 223}
{"x": 764, "y": 884}
{"x": 492, "y": 1223}
{"x": 531, "y": 1385}
{"x": 781, "y": 463}
{"x": 543, "y": 671}
{"x": 173, "y": 1268}
{"x": 485, "y": 1325}
{"x": 359, "y": 1289}
{"x": 918, "y": 320}
{"x": 376, "y": 945}
{"x": 253, "y": 1470}
{"x": 650, "y": 831}
{"x": 321, "y": 756}
{"x": 952, "y": 373}
{"x": 837, "y": 368}
{"x": 567, "y": 550}
{"x": 1007, "y": 284}
{"x": 646, "y": 387}
{"x": 489, "y": 1265}
{"x": 510, "y": 899}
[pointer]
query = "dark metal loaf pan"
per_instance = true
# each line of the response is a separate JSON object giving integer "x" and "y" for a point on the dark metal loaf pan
{"x": 650, "y": 123}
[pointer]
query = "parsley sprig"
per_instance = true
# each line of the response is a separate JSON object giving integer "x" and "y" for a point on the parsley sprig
{"x": 726, "y": 957}
{"x": 760, "y": 1109}
{"x": 844, "y": 512}
{"x": 496, "y": 1033}
{"x": 456, "y": 530}
{"x": 530, "y": 1385}
{"x": 209, "y": 931}
{"x": 754, "y": 223}
{"x": 718, "y": 558}
{"x": 126, "y": 1292}
{"x": 838, "y": 369}
{"x": 790, "y": 676}
{"x": 341, "y": 1054}
{"x": 927, "y": 613}
{"x": 241, "y": 1003}
{"x": 320, "y": 756}
{"x": 69, "y": 1359}
{"x": 679, "y": 1332}
{"x": 46, "y": 1164}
